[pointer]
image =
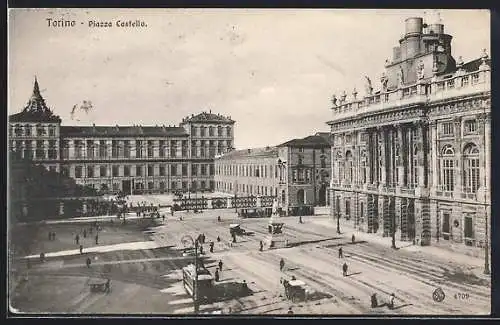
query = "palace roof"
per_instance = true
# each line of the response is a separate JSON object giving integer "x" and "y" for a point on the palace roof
{"x": 123, "y": 131}
{"x": 319, "y": 140}
{"x": 209, "y": 117}
{"x": 267, "y": 152}
{"x": 35, "y": 110}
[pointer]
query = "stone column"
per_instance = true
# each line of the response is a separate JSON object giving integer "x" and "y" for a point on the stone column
{"x": 458, "y": 174}
{"x": 434, "y": 151}
{"x": 382, "y": 131}
{"x": 421, "y": 129}
{"x": 400, "y": 150}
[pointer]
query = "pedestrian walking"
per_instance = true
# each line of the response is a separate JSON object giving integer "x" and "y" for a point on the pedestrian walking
{"x": 390, "y": 304}
{"x": 353, "y": 239}
{"x": 341, "y": 253}
{"x": 218, "y": 239}
{"x": 261, "y": 246}
{"x": 282, "y": 264}
{"x": 84, "y": 233}
{"x": 344, "y": 269}
{"x": 97, "y": 239}
{"x": 42, "y": 257}
{"x": 201, "y": 250}
{"x": 211, "y": 247}
{"x": 163, "y": 217}
{"x": 216, "y": 275}
{"x": 218, "y": 218}
{"x": 220, "y": 265}
{"x": 300, "y": 219}
{"x": 88, "y": 262}
{"x": 77, "y": 239}
{"x": 374, "y": 302}
{"x": 50, "y": 235}
{"x": 81, "y": 249}
{"x": 108, "y": 285}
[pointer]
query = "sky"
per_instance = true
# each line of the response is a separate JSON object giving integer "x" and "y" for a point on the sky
{"x": 273, "y": 71}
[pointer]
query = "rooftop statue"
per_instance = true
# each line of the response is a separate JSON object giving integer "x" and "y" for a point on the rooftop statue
{"x": 383, "y": 80}
{"x": 368, "y": 86}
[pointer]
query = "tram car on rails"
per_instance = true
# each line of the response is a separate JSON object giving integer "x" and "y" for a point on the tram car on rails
{"x": 205, "y": 282}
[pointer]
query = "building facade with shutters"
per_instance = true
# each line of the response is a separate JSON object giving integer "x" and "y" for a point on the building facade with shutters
{"x": 296, "y": 172}
{"x": 132, "y": 159}
{"x": 414, "y": 156}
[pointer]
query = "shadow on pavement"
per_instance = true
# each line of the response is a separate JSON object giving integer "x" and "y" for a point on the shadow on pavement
{"x": 317, "y": 295}
{"x": 350, "y": 243}
{"x": 311, "y": 241}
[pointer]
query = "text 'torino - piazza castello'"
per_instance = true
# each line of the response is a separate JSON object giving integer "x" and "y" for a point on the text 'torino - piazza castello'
{"x": 415, "y": 151}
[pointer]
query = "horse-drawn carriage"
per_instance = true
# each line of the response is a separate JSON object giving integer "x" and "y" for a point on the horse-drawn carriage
{"x": 99, "y": 285}
{"x": 295, "y": 290}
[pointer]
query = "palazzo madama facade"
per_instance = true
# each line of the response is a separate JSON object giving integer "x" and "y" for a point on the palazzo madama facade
{"x": 414, "y": 156}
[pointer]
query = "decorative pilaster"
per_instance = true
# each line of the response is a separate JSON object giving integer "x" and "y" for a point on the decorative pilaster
{"x": 458, "y": 167}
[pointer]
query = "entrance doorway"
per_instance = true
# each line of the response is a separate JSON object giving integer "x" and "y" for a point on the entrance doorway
{"x": 322, "y": 195}
{"x": 127, "y": 187}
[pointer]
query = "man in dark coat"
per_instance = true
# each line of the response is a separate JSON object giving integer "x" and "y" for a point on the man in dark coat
{"x": 220, "y": 265}
{"x": 282, "y": 264}
{"x": 216, "y": 275}
{"x": 211, "y": 247}
{"x": 341, "y": 253}
{"x": 344, "y": 269}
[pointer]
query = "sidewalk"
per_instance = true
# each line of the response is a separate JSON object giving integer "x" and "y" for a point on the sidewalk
{"x": 476, "y": 264}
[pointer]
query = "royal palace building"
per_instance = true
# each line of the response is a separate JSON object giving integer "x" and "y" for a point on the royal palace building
{"x": 132, "y": 159}
{"x": 414, "y": 156}
{"x": 297, "y": 172}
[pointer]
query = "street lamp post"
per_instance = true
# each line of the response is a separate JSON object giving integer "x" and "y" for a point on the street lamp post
{"x": 393, "y": 231}
{"x": 188, "y": 240}
{"x": 338, "y": 222}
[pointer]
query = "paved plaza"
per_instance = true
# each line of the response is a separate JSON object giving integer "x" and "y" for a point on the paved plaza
{"x": 143, "y": 259}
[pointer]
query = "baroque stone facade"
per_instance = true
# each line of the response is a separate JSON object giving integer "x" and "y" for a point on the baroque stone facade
{"x": 414, "y": 157}
{"x": 132, "y": 159}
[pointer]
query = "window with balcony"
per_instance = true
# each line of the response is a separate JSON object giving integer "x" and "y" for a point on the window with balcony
{"x": 471, "y": 168}
{"x": 138, "y": 149}
{"x": 103, "y": 150}
{"x": 447, "y": 169}
{"x": 40, "y": 130}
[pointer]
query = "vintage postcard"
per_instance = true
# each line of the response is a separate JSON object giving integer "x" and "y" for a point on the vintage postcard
{"x": 249, "y": 161}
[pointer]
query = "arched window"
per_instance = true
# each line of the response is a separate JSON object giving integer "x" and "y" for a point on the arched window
{"x": 447, "y": 169}
{"x": 219, "y": 131}
{"x": 471, "y": 168}
{"x": 300, "y": 196}
{"x": 349, "y": 167}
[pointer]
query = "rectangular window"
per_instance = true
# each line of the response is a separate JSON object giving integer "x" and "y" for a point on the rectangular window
{"x": 150, "y": 149}
{"x": 126, "y": 170}
{"x": 138, "y": 149}
{"x": 116, "y": 171}
{"x": 150, "y": 170}
{"x": 446, "y": 225}
{"x": 212, "y": 170}
{"x": 203, "y": 170}
{"x": 90, "y": 171}
{"x": 173, "y": 185}
{"x": 102, "y": 171}
{"x": 162, "y": 170}
{"x": 102, "y": 149}
{"x": 194, "y": 169}
{"x": 471, "y": 126}
{"x": 184, "y": 170}
{"x": 468, "y": 230}
{"x": 161, "y": 149}
{"x": 173, "y": 170}
{"x": 447, "y": 128}
{"x": 126, "y": 148}
{"x": 138, "y": 170}
{"x": 78, "y": 172}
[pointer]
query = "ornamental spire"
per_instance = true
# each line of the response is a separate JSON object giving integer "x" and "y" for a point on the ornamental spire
{"x": 36, "y": 102}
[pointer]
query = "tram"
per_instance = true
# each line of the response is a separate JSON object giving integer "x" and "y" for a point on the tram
{"x": 205, "y": 282}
